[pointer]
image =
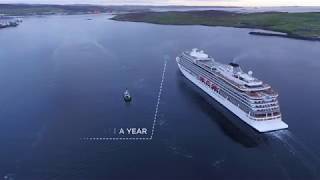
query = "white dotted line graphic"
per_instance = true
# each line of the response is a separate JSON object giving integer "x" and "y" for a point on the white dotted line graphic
{"x": 154, "y": 119}
{"x": 159, "y": 98}
{"x": 117, "y": 138}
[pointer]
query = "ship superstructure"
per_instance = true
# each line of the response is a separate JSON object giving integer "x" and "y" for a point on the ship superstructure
{"x": 249, "y": 98}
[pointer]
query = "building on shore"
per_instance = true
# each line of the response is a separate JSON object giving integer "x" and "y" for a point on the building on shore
{"x": 6, "y": 21}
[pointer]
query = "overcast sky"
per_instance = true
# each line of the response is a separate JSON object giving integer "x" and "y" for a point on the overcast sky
{"x": 178, "y": 2}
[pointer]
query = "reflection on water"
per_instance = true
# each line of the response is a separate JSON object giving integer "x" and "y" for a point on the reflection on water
{"x": 227, "y": 122}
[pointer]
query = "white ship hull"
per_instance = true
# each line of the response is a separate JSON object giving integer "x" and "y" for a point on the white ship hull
{"x": 261, "y": 126}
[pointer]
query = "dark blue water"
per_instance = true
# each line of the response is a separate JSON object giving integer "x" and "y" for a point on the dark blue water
{"x": 62, "y": 79}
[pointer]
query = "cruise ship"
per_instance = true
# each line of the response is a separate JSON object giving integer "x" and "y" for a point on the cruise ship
{"x": 250, "y": 99}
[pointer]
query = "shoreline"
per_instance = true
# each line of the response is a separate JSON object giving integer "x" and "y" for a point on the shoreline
{"x": 7, "y": 22}
{"x": 303, "y": 26}
{"x": 273, "y": 33}
{"x": 289, "y": 36}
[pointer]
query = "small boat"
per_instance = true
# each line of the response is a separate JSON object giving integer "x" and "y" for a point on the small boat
{"x": 126, "y": 96}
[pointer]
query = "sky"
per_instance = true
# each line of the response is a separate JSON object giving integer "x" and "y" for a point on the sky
{"x": 255, "y": 3}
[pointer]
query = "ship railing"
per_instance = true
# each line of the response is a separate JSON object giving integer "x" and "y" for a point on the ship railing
{"x": 231, "y": 82}
{"x": 266, "y": 108}
{"x": 265, "y": 118}
{"x": 270, "y": 92}
{"x": 239, "y": 86}
{"x": 256, "y": 96}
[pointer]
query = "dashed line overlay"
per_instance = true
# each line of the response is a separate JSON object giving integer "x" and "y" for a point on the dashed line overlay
{"x": 109, "y": 139}
{"x": 154, "y": 119}
{"x": 159, "y": 98}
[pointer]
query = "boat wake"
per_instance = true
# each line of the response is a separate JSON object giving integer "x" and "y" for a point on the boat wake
{"x": 302, "y": 153}
{"x": 294, "y": 144}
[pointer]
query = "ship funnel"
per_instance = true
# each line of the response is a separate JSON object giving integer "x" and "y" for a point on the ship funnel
{"x": 235, "y": 67}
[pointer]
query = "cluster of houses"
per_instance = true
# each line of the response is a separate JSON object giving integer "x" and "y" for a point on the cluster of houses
{"x": 6, "y": 21}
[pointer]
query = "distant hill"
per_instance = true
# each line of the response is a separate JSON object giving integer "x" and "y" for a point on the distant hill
{"x": 295, "y": 25}
{"x": 43, "y": 9}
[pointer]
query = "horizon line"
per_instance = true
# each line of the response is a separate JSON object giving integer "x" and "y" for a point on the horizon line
{"x": 160, "y": 5}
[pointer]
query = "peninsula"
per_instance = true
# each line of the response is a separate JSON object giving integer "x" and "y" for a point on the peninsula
{"x": 294, "y": 25}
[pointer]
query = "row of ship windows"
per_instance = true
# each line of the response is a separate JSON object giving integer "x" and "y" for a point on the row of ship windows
{"x": 236, "y": 100}
{"x": 255, "y": 101}
{"x": 266, "y": 115}
{"x": 270, "y": 109}
{"x": 227, "y": 95}
{"x": 265, "y": 106}
{"x": 218, "y": 81}
{"x": 241, "y": 98}
{"x": 244, "y": 108}
{"x": 231, "y": 93}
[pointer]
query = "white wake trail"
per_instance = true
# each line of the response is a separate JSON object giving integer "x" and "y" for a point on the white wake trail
{"x": 298, "y": 149}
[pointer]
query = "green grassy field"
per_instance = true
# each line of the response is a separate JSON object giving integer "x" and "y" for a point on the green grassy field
{"x": 304, "y": 25}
